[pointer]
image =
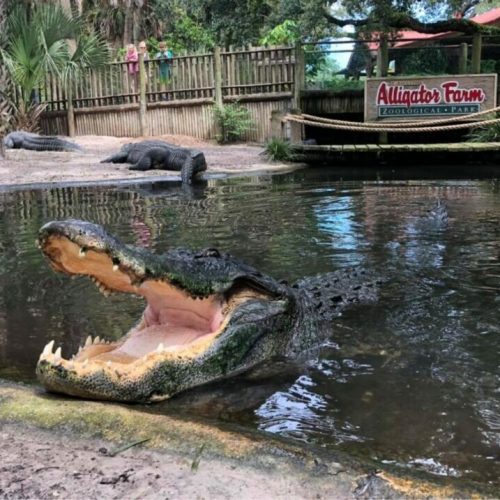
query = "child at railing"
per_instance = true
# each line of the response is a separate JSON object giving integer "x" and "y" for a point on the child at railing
{"x": 132, "y": 60}
{"x": 144, "y": 50}
{"x": 164, "y": 57}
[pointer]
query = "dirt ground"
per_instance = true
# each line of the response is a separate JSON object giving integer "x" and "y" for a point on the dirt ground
{"x": 20, "y": 167}
{"x": 36, "y": 464}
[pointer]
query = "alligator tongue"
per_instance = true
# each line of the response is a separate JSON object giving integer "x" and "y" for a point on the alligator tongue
{"x": 147, "y": 340}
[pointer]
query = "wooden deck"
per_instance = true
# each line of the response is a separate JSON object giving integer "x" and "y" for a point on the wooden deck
{"x": 487, "y": 152}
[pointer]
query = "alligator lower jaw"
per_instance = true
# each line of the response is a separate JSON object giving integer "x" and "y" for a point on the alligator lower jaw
{"x": 174, "y": 326}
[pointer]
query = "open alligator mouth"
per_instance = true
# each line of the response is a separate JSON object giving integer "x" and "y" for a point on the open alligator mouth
{"x": 190, "y": 306}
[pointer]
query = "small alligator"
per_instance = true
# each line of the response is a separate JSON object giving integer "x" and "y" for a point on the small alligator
{"x": 208, "y": 315}
{"x": 36, "y": 142}
{"x": 146, "y": 155}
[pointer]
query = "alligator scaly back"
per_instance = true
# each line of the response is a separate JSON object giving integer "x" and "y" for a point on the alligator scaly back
{"x": 331, "y": 293}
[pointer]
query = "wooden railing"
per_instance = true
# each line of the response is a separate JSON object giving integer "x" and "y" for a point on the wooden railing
{"x": 257, "y": 71}
{"x": 253, "y": 71}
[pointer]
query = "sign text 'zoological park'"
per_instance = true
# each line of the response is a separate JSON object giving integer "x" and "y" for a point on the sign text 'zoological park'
{"x": 398, "y": 98}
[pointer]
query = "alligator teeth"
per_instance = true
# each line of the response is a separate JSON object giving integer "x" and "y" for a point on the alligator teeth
{"x": 47, "y": 350}
{"x": 70, "y": 365}
{"x": 85, "y": 363}
{"x": 82, "y": 252}
{"x": 160, "y": 347}
{"x": 109, "y": 363}
{"x": 88, "y": 341}
{"x": 57, "y": 355}
{"x": 115, "y": 267}
{"x": 97, "y": 340}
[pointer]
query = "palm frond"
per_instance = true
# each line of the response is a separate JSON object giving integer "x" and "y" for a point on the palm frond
{"x": 38, "y": 45}
{"x": 55, "y": 23}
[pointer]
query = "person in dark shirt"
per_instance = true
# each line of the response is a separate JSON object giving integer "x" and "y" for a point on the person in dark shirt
{"x": 164, "y": 57}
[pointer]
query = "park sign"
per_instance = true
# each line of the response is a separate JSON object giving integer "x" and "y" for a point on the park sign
{"x": 428, "y": 96}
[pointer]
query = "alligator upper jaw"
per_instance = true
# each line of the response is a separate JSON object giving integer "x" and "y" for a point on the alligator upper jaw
{"x": 174, "y": 325}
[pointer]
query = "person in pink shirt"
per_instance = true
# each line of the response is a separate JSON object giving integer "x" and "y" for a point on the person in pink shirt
{"x": 132, "y": 60}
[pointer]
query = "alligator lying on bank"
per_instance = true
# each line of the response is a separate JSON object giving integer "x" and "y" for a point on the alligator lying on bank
{"x": 208, "y": 316}
{"x": 36, "y": 142}
{"x": 161, "y": 155}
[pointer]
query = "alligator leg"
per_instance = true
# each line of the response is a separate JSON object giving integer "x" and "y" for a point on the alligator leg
{"x": 145, "y": 163}
{"x": 120, "y": 157}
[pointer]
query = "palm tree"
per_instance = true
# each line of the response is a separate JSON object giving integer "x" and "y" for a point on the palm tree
{"x": 5, "y": 108}
{"x": 42, "y": 39}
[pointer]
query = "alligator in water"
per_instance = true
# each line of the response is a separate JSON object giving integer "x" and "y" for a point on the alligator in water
{"x": 146, "y": 155}
{"x": 36, "y": 142}
{"x": 208, "y": 315}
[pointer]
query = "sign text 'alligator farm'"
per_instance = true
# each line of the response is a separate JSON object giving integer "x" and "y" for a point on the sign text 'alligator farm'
{"x": 424, "y": 97}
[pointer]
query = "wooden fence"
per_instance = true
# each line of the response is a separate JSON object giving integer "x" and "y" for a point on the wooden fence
{"x": 111, "y": 101}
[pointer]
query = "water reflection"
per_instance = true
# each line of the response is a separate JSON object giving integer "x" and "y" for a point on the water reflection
{"x": 413, "y": 380}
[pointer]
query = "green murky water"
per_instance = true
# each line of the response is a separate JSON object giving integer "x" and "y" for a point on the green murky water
{"x": 413, "y": 380}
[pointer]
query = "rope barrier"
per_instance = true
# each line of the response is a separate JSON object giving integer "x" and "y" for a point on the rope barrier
{"x": 358, "y": 127}
{"x": 420, "y": 123}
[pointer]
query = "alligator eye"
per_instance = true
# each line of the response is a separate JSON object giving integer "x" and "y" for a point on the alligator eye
{"x": 208, "y": 252}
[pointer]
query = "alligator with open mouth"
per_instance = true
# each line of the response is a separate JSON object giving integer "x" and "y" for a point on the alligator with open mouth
{"x": 154, "y": 154}
{"x": 208, "y": 315}
{"x": 36, "y": 142}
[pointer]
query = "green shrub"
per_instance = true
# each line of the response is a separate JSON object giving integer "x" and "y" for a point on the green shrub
{"x": 278, "y": 150}
{"x": 486, "y": 133}
{"x": 490, "y": 66}
{"x": 432, "y": 61}
{"x": 340, "y": 84}
{"x": 233, "y": 121}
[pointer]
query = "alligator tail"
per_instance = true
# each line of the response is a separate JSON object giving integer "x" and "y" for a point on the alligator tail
{"x": 49, "y": 144}
{"x": 187, "y": 171}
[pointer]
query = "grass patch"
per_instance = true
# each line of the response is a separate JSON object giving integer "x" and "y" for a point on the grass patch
{"x": 278, "y": 150}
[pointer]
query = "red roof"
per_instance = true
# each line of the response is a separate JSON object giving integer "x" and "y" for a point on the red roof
{"x": 408, "y": 38}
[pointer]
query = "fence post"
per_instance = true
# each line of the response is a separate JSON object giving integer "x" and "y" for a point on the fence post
{"x": 70, "y": 111}
{"x": 142, "y": 97}
{"x": 217, "y": 77}
{"x": 299, "y": 75}
{"x": 277, "y": 124}
{"x": 462, "y": 58}
{"x": 476, "y": 53}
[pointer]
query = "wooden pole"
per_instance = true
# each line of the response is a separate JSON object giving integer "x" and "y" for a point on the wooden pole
{"x": 476, "y": 53}
{"x": 299, "y": 76}
{"x": 382, "y": 68}
{"x": 462, "y": 58}
{"x": 217, "y": 77}
{"x": 70, "y": 110}
{"x": 382, "y": 57}
{"x": 142, "y": 97}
